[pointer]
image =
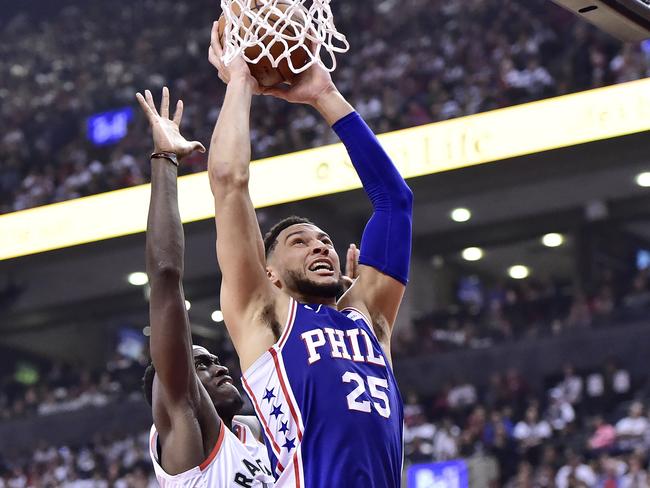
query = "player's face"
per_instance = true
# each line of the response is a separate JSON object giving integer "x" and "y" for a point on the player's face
{"x": 306, "y": 262}
{"x": 214, "y": 377}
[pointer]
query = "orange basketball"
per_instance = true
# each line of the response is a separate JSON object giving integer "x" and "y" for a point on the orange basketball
{"x": 263, "y": 71}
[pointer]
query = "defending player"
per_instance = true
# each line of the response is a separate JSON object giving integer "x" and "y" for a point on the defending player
{"x": 192, "y": 397}
{"x": 318, "y": 372}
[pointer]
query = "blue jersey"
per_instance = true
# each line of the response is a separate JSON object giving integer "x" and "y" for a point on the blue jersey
{"x": 328, "y": 403}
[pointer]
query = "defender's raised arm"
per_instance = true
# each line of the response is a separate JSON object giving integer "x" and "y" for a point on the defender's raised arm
{"x": 176, "y": 396}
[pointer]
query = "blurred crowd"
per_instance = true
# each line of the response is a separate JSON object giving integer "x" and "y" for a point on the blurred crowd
{"x": 585, "y": 429}
{"x": 63, "y": 388}
{"x": 589, "y": 429}
{"x": 482, "y": 316}
{"x": 116, "y": 462}
{"x": 412, "y": 62}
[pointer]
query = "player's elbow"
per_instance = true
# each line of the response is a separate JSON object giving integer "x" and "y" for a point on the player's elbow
{"x": 404, "y": 199}
{"x": 164, "y": 272}
{"x": 226, "y": 175}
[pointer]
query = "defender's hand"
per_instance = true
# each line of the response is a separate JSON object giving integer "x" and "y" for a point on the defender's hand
{"x": 351, "y": 266}
{"x": 237, "y": 69}
{"x": 166, "y": 131}
{"x": 308, "y": 87}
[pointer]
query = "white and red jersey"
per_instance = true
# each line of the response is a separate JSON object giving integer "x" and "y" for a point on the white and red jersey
{"x": 237, "y": 460}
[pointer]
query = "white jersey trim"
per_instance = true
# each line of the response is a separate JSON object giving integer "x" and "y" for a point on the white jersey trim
{"x": 190, "y": 473}
{"x": 362, "y": 316}
{"x": 269, "y": 371}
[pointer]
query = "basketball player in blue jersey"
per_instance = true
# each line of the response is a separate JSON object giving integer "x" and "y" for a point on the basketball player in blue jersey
{"x": 318, "y": 372}
{"x": 195, "y": 441}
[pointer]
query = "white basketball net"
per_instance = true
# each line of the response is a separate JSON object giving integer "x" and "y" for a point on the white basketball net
{"x": 304, "y": 22}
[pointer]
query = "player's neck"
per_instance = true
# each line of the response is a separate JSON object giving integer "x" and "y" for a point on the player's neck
{"x": 314, "y": 300}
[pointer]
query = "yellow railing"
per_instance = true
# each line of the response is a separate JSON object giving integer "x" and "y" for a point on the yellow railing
{"x": 492, "y": 136}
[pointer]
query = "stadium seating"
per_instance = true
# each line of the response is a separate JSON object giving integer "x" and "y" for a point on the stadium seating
{"x": 460, "y": 58}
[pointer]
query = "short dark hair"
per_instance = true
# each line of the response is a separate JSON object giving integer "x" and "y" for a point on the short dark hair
{"x": 147, "y": 383}
{"x": 271, "y": 237}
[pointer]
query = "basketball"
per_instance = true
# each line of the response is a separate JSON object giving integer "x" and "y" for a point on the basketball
{"x": 263, "y": 71}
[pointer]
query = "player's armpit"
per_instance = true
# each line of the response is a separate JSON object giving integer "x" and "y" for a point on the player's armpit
{"x": 246, "y": 290}
{"x": 379, "y": 297}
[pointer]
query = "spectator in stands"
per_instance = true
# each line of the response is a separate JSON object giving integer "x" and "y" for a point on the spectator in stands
{"x": 462, "y": 395}
{"x": 445, "y": 441}
{"x": 611, "y": 472}
{"x": 417, "y": 427}
{"x": 80, "y": 65}
{"x": 531, "y": 433}
{"x": 517, "y": 388}
{"x": 560, "y": 412}
{"x": 636, "y": 476}
{"x": 523, "y": 478}
{"x": 638, "y": 298}
{"x": 604, "y": 437}
{"x": 575, "y": 471}
{"x": 504, "y": 450}
{"x": 580, "y": 312}
{"x": 570, "y": 388}
{"x": 497, "y": 421}
{"x": 632, "y": 430}
{"x": 607, "y": 387}
{"x": 120, "y": 463}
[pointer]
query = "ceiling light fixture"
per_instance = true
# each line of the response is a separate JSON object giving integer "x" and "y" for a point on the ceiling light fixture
{"x": 553, "y": 240}
{"x": 643, "y": 179}
{"x": 461, "y": 215}
{"x": 138, "y": 278}
{"x": 472, "y": 254}
{"x": 519, "y": 272}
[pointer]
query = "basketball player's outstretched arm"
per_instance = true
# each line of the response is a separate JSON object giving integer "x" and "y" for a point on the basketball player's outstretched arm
{"x": 386, "y": 244}
{"x": 248, "y": 299}
{"x": 176, "y": 390}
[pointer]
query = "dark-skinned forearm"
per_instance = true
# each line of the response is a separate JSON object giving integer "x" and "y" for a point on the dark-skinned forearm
{"x": 165, "y": 238}
{"x": 171, "y": 338}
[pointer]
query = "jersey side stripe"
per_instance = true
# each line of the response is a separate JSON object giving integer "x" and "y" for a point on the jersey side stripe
{"x": 289, "y": 399}
{"x": 301, "y": 468}
{"x": 296, "y": 469}
{"x": 291, "y": 317}
{"x": 282, "y": 374}
{"x": 215, "y": 450}
{"x": 269, "y": 434}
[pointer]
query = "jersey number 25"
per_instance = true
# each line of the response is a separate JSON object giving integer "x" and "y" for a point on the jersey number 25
{"x": 380, "y": 399}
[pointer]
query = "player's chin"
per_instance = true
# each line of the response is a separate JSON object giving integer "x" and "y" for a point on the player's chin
{"x": 329, "y": 286}
{"x": 227, "y": 392}
{"x": 228, "y": 388}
